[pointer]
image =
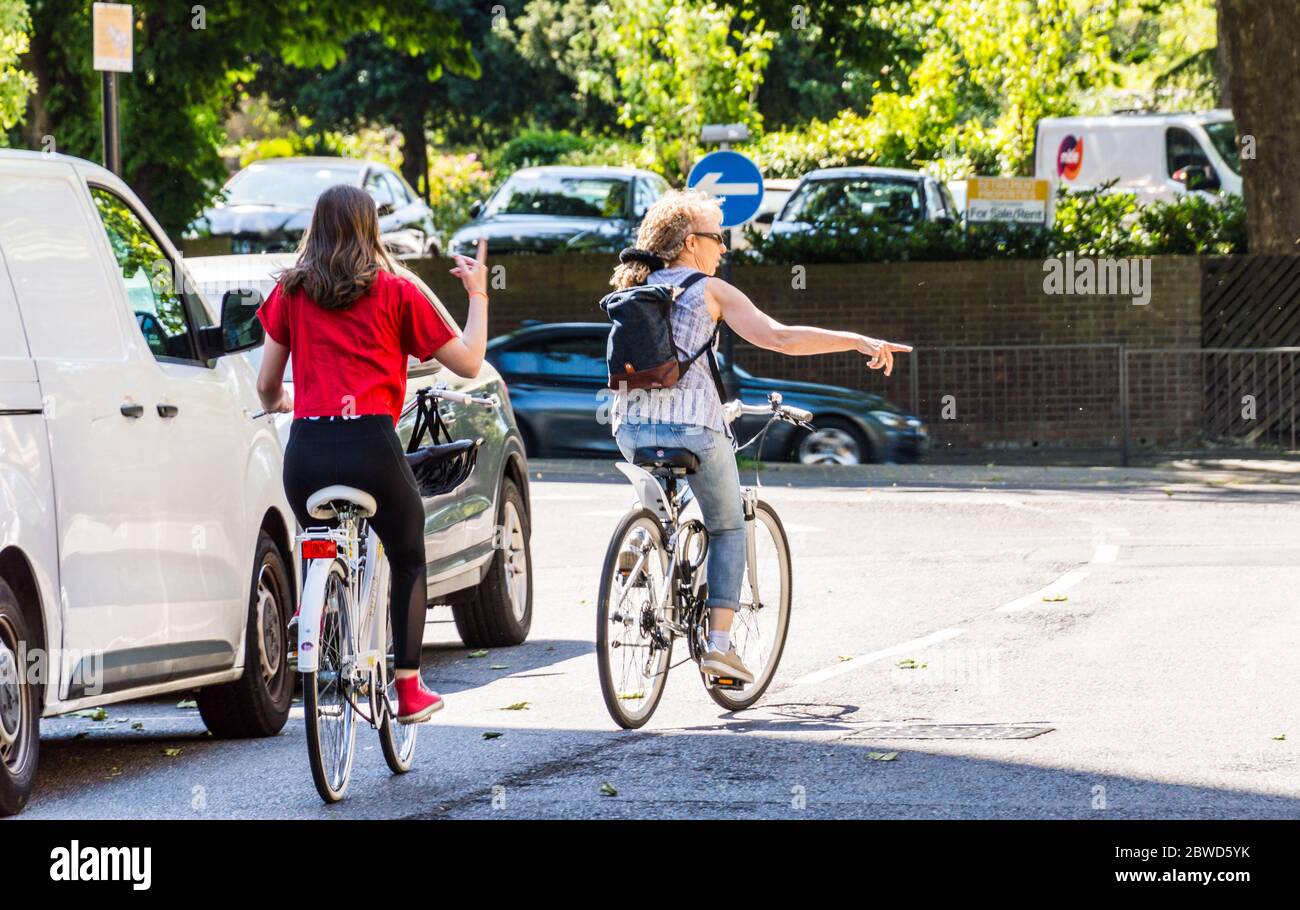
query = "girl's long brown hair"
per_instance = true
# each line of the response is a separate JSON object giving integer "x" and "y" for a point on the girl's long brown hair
{"x": 341, "y": 252}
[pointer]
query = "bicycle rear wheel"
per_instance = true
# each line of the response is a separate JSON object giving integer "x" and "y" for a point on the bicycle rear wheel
{"x": 331, "y": 731}
{"x": 396, "y": 740}
{"x": 759, "y": 628}
{"x": 631, "y": 652}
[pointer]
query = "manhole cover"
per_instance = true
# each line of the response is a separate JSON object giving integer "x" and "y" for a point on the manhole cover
{"x": 950, "y": 731}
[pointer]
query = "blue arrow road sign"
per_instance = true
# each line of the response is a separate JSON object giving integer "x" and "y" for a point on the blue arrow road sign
{"x": 735, "y": 179}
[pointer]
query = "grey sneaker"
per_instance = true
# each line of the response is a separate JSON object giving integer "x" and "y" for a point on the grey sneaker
{"x": 726, "y": 665}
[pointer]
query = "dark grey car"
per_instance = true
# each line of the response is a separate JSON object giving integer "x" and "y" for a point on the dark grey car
{"x": 562, "y": 209}
{"x": 557, "y": 376}
{"x": 268, "y": 205}
{"x": 903, "y": 197}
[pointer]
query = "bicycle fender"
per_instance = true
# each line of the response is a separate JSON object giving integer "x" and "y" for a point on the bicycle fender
{"x": 648, "y": 490}
{"x": 311, "y": 612}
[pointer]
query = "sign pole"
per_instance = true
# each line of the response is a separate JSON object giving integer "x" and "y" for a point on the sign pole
{"x": 739, "y": 182}
{"x": 114, "y": 49}
{"x": 112, "y": 140}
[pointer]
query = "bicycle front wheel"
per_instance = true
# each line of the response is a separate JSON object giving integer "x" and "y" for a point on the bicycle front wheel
{"x": 331, "y": 733}
{"x": 632, "y": 650}
{"x": 759, "y": 628}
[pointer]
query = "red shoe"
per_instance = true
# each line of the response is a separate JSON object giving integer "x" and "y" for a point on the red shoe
{"x": 415, "y": 703}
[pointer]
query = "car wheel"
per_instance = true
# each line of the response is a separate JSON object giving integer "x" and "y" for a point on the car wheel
{"x": 19, "y": 709}
{"x": 833, "y": 440}
{"x": 499, "y": 612}
{"x": 257, "y": 704}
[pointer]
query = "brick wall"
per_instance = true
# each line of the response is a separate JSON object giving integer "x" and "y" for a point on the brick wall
{"x": 1047, "y": 374}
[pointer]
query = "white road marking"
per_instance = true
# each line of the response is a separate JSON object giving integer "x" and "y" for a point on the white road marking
{"x": 1106, "y": 552}
{"x": 1061, "y": 585}
{"x": 864, "y": 659}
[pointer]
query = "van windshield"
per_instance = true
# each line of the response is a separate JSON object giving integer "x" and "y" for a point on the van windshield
{"x": 1224, "y": 136}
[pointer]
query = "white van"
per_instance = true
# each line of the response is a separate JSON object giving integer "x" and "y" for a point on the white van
{"x": 145, "y": 540}
{"x": 1153, "y": 156}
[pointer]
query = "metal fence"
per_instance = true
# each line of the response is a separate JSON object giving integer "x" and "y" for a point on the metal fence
{"x": 1110, "y": 397}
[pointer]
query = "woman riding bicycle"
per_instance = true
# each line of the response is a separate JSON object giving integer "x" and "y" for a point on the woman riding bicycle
{"x": 350, "y": 324}
{"x": 682, "y": 234}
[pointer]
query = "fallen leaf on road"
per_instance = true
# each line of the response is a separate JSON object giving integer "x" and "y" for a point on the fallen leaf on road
{"x": 607, "y": 789}
{"x": 138, "y": 725}
{"x": 517, "y": 706}
{"x": 492, "y": 734}
{"x": 499, "y": 667}
{"x": 842, "y": 658}
{"x": 1055, "y": 598}
{"x": 882, "y": 756}
{"x": 171, "y": 753}
{"x": 631, "y": 696}
{"x": 92, "y": 714}
{"x": 908, "y": 663}
{"x": 473, "y": 654}
{"x": 1280, "y": 737}
{"x": 187, "y": 703}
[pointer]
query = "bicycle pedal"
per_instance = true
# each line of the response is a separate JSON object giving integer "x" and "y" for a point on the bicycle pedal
{"x": 728, "y": 683}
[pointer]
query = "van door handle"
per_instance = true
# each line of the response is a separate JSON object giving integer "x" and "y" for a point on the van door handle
{"x": 132, "y": 410}
{"x": 168, "y": 410}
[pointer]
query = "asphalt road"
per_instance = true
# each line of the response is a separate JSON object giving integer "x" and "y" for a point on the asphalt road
{"x": 1082, "y": 644}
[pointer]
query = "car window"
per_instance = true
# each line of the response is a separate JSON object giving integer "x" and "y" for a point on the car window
{"x": 1183, "y": 150}
{"x": 646, "y": 196}
{"x": 161, "y": 310}
{"x": 581, "y": 356}
{"x": 284, "y": 184}
{"x": 397, "y": 188}
{"x": 379, "y": 189}
{"x": 897, "y": 198}
{"x": 550, "y": 194}
{"x": 1224, "y": 136}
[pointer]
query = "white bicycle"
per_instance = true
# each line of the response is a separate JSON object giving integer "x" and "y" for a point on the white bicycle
{"x": 653, "y": 587}
{"x": 345, "y": 643}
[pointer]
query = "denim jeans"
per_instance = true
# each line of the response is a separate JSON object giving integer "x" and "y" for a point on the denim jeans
{"x": 716, "y": 485}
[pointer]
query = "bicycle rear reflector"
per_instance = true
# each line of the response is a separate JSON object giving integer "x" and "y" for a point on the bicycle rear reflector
{"x": 320, "y": 549}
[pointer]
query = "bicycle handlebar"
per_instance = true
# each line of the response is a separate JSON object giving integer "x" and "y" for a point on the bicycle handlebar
{"x": 774, "y": 409}
{"x": 483, "y": 401}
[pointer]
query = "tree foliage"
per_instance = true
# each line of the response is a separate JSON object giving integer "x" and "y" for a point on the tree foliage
{"x": 15, "y": 83}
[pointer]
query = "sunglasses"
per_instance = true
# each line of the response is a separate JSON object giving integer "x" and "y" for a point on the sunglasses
{"x": 718, "y": 238}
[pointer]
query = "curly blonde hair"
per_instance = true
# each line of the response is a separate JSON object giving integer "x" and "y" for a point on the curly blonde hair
{"x": 663, "y": 232}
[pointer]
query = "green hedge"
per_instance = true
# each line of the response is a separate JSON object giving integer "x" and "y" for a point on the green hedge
{"x": 1090, "y": 223}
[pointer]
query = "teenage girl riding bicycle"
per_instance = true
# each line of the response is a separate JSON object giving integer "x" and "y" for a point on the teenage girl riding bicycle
{"x": 350, "y": 324}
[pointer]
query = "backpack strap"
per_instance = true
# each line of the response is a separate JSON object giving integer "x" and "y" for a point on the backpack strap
{"x": 708, "y": 345}
{"x": 691, "y": 279}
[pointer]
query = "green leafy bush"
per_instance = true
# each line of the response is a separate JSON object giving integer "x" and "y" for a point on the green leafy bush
{"x": 1095, "y": 223}
{"x": 534, "y": 147}
{"x": 456, "y": 182}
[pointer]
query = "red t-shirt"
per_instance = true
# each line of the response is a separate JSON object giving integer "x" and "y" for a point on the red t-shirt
{"x": 353, "y": 361}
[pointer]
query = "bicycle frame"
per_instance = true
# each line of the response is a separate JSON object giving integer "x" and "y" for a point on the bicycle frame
{"x": 667, "y": 505}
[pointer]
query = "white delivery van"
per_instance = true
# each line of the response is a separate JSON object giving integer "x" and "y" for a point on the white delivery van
{"x": 1153, "y": 156}
{"x": 145, "y": 541}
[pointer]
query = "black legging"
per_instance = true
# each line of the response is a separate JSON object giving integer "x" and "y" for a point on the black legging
{"x": 365, "y": 453}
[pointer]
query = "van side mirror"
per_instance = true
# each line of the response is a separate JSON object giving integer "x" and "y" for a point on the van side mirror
{"x": 240, "y": 329}
{"x": 765, "y": 218}
{"x": 1200, "y": 177}
{"x": 476, "y": 208}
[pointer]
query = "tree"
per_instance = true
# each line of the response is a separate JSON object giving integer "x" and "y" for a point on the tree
{"x": 189, "y": 62}
{"x": 15, "y": 84}
{"x": 1264, "y": 46}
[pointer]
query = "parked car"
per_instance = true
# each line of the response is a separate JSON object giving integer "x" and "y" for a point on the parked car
{"x": 268, "y": 205}
{"x": 905, "y": 197}
{"x": 1155, "y": 156}
{"x": 562, "y": 209}
{"x": 557, "y": 375}
{"x": 487, "y": 580}
{"x": 776, "y": 190}
{"x": 145, "y": 542}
